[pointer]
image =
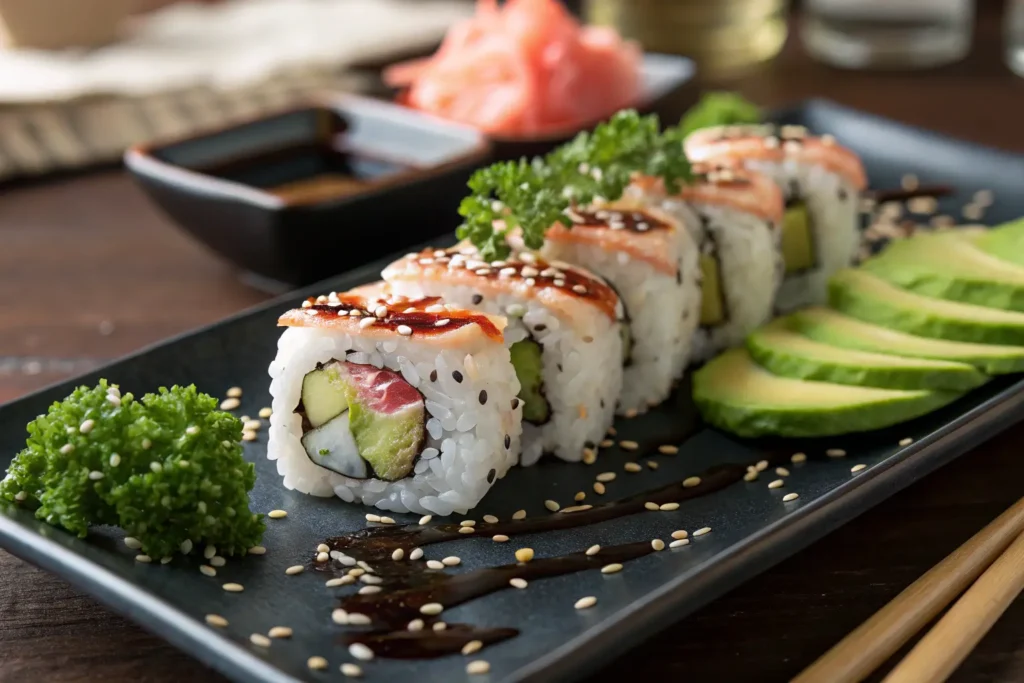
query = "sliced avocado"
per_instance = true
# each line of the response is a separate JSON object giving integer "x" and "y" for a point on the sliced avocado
{"x": 735, "y": 394}
{"x": 950, "y": 266}
{"x": 787, "y": 353}
{"x": 869, "y": 298}
{"x": 834, "y": 328}
{"x": 323, "y": 395}
{"x": 390, "y": 442}
{"x": 712, "y": 305}
{"x": 798, "y": 238}
{"x": 331, "y": 445}
{"x": 1004, "y": 241}
{"x": 529, "y": 366}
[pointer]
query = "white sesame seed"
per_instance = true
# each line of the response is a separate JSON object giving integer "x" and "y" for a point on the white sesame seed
{"x": 95, "y": 475}
{"x": 415, "y": 553}
{"x": 490, "y": 519}
{"x": 703, "y": 530}
{"x": 439, "y": 626}
{"x": 552, "y": 505}
{"x": 750, "y": 476}
{"x": 524, "y": 554}
{"x": 579, "y": 289}
{"x": 317, "y": 663}
{"x": 356, "y": 572}
{"x": 587, "y": 602}
{"x": 277, "y": 514}
{"x": 790, "y": 496}
{"x": 366, "y": 322}
{"x": 145, "y": 559}
{"x": 357, "y": 619}
{"x": 371, "y": 579}
{"x": 589, "y": 456}
{"x": 690, "y": 482}
{"x": 67, "y": 448}
{"x": 146, "y": 444}
{"x": 251, "y": 425}
{"x": 233, "y": 587}
{"x": 668, "y": 507}
{"x": 415, "y": 625}
{"x": 207, "y": 570}
{"x": 468, "y": 522}
{"x": 434, "y": 564}
{"x": 652, "y": 506}
{"x": 668, "y": 449}
{"x": 351, "y": 670}
{"x": 210, "y": 550}
{"x": 230, "y": 404}
{"x": 519, "y": 514}
{"x": 294, "y": 569}
{"x": 612, "y": 568}
{"x": 217, "y": 561}
{"x": 369, "y": 590}
{"x": 679, "y": 543}
{"x": 782, "y": 471}
{"x": 629, "y": 445}
{"x": 380, "y": 311}
{"x": 114, "y": 400}
{"x": 478, "y": 667}
{"x": 776, "y": 484}
{"x": 761, "y": 465}
{"x": 606, "y": 476}
{"x": 192, "y": 430}
{"x": 398, "y": 554}
{"x": 132, "y": 542}
{"x": 451, "y": 561}
{"x": 404, "y": 330}
{"x": 20, "y": 496}
{"x": 499, "y": 538}
{"x": 259, "y": 639}
{"x": 517, "y": 583}
{"x": 257, "y": 550}
{"x": 248, "y": 435}
{"x": 386, "y": 520}
{"x": 658, "y": 544}
{"x": 216, "y": 620}
{"x": 466, "y": 529}
{"x": 797, "y": 458}
{"x": 472, "y": 646}
{"x": 280, "y": 632}
{"x": 322, "y": 557}
{"x": 632, "y": 467}
{"x": 341, "y": 581}
{"x": 234, "y": 392}
{"x": 86, "y": 426}
{"x": 593, "y": 550}
{"x": 858, "y": 468}
{"x": 339, "y": 616}
{"x": 835, "y": 453}
{"x": 432, "y": 609}
{"x": 906, "y": 442}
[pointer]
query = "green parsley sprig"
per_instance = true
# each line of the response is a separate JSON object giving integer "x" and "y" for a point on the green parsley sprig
{"x": 719, "y": 109}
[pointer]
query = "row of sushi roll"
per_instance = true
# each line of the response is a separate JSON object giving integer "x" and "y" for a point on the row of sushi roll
{"x": 584, "y": 285}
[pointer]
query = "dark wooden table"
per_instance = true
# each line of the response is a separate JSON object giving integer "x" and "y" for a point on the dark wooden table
{"x": 89, "y": 271}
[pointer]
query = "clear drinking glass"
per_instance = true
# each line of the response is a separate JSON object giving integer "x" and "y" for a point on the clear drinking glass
{"x": 1013, "y": 28}
{"x": 858, "y": 34}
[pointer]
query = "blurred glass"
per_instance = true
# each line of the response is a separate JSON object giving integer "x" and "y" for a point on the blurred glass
{"x": 1014, "y": 36}
{"x": 725, "y": 37}
{"x": 887, "y": 34}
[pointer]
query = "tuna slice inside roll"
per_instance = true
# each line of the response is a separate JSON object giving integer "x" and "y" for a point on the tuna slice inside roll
{"x": 362, "y": 421}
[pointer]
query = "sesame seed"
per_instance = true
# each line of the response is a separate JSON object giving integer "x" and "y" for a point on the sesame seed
{"x": 589, "y": 456}
{"x": 776, "y": 484}
{"x": 233, "y": 587}
{"x": 658, "y": 544}
{"x": 587, "y": 602}
{"x": 416, "y": 553}
{"x": 652, "y": 464}
{"x": 679, "y": 543}
{"x": 471, "y": 647}
{"x": 477, "y": 667}
{"x": 366, "y": 322}
{"x": 790, "y": 496}
{"x": 703, "y": 530}
{"x": 294, "y": 569}
{"x": 579, "y": 289}
{"x": 797, "y": 458}
{"x": 606, "y": 443}
{"x": 207, "y": 570}
{"x": 404, "y": 330}
{"x": 277, "y": 514}
{"x": 551, "y": 505}
{"x": 425, "y": 519}
{"x": 234, "y": 392}
{"x": 519, "y": 514}
{"x": 259, "y": 639}
{"x": 632, "y": 467}
{"x": 782, "y": 471}
{"x": 356, "y": 572}
{"x": 216, "y": 620}
{"x": 580, "y": 496}
{"x": 468, "y": 522}
{"x": 398, "y": 554}
{"x": 387, "y": 520}
{"x": 432, "y": 609}
{"x": 651, "y": 505}
{"x": 380, "y": 311}
{"x": 339, "y": 616}
{"x": 669, "y": 507}
{"x": 317, "y": 663}
{"x": 192, "y": 430}
{"x": 858, "y": 468}
{"x": 451, "y": 561}
{"x": 145, "y": 559}
{"x": 629, "y": 445}
{"x": 466, "y": 530}
{"x": 248, "y": 435}
{"x": 230, "y": 404}
{"x": 360, "y": 651}
{"x": 351, "y": 670}
{"x": 690, "y": 482}
{"x": 490, "y": 519}
{"x": 358, "y": 619}
{"x": 95, "y": 475}
{"x": 415, "y": 625}
{"x": 280, "y": 632}
{"x": 517, "y": 583}
{"x": 612, "y": 431}
{"x": 369, "y": 590}
{"x": 322, "y": 557}
{"x": 906, "y": 442}
{"x": 612, "y": 568}
{"x": 67, "y": 448}
{"x": 606, "y": 476}
{"x": 115, "y": 459}
{"x": 835, "y": 453}
{"x": 599, "y": 488}
{"x": 524, "y": 554}
{"x": 668, "y": 449}
{"x": 333, "y": 583}
{"x": 762, "y": 465}
{"x": 218, "y": 561}
{"x": 87, "y": 426}
{"x": 434, "y": 564}
{"x": 248, "y": 425}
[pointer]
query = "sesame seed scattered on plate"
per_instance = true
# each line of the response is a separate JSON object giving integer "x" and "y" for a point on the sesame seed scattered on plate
{"x": 357, "y": 619}
{"x": 294, "y": 569}
{"x": 750, "y": 476}
{"x": 679, "y": 543}
{"x": 339, "y": 616}
{"x": 265, "y": 413}
{"x": 790, "y": 496}
{"x": 652, "y": 506}
{"x": 259, "y": 639}
{"x": 629, "y": 445}
{"x": 439, "y": 626}
{"x": 681, "y": 533}
{"x": 230, "y": 404}
{"x": 432, "y": 609}
{"x": 351, "y": 670}
{"x": 690, "y": 482}
{"x": 356, "y": 572}
{"x": 334, "y": 583}
{"x": 632, "y": 467}
{"x": 132, "y": 542}
{"x": 451, "y": 561}
{"x": 906, "y": 442}
{"x": 145, "y": 559}
{"x": 472, "y": 646}
{"x": 217, "y": 561}
{"x": 277, "y": 514}
{"x": 782, "y": 471}
{"x": 233, "y": 587}
{"x": 519, "y": 514}
{"x": 599, "y": 488}
{"x": 612, "y": 568}
{"x": 387, "y": 520}
{"x": 234, "y": 392}
{"x": 369, "y": 590}
{"x": 249, "y": 436}
{"x": 653, "y": 464}
{"x": 490, "y": 519}
{"x": 524, "y": 554}
{"x": 280, "y": 632}
{"x": 606, "y": 443}
{"x": 415, "y": 625}
{"x": 606, "y": 476}
{"x": 777, "y": 484}
{"x": 798, "y": 458}
{"x": 209, "y": 551}
{"x": 858, "y": 468}
{"x": 466, "y": 530}
{"x": 257, "y": 550}
{"x": 478, "y": 667}
{"x": 584, "y": 603}
{"x": 251, "y": 425}
{"x": 398, "y": 554}
{"x": 703, "y": 530}
{"x": 589, "y": 456}
{"x": 835, "y": 453}
{"x": 668, "y": 449}
{"x": 323, "y": 548}
{"x": 434, "y": 564}
{"x": 518, "y": 583}
{"x": 370, "y": 517}
{"x": 207, "y": 570}
{"x": 416, "y": 553}
{"x": 668, "y": 507}
{"x": 761, "y": 465}
{"x": 317, "y": 663}
{"x": 658, "y": 544}
{"x": 425, "y": 519}
{"x": 216, "y": 620}
{"x": 552, "y": 505}
{"x": 499, "y": 538}
{"x": 593, "y": 550}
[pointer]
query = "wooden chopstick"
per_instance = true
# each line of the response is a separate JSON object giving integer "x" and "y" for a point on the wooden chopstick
{"x": 874, "y": 641}
{"x": 944, "y": 647}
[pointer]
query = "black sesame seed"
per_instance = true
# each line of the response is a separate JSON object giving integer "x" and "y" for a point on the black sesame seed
{"x": 457, "y": 376}
{"x": 515, "y": 403}
{"x": 679, "y": 276}
{"x": 477, "y": 298}
{"x": 483, "y": 397}
{"x": 842, "y": 194}
{"x": 433, "y": 375}
{"x": 540, "y": 328}
{"x": 559, "y": 367}
{"x": 490, "y": 475}
{"x": 508, "y": 442}
{"x": 602, "y": 403}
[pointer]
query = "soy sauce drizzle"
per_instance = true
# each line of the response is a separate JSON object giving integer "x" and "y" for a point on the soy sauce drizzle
{"x": 427, "y": 642}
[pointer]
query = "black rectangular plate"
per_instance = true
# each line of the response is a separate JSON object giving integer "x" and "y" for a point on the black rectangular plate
{"x": 752, "y": 527}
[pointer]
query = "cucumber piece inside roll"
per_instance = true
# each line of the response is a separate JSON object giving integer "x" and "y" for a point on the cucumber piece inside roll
{"x": 712, "y": 305}
{"x": 380, "y": 429}
{"x": 798, "y": 238}
{"x": 529, "y": 366}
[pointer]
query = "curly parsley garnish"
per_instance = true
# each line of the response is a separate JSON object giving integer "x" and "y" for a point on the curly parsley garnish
{"x": 533, "y": 196}
{"x": 719, "y": 109}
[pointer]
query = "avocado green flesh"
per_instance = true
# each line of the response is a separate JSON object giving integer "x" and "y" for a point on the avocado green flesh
{"x": 712, "y": 305}
{"x": 797, "y": 238}
{"x": 1005, "y": 242}
{"x": 787, "y": 353}
{"x": 871, "y": 299}
{"x": 529, "y": 367}
{"x": 390, "y": 442}
{"x": 733, "y": 393}
{"x": 950, "y": 266}
{"x": 323, "y": 395}
{"x": 836, "y": 329}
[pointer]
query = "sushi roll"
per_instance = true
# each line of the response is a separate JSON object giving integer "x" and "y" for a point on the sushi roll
{"x": 408, "y": 405}
{"x": 651, "y": 261}
{"x": 734, "y": 216}
{"x": 563, "y": 333}
{"x": 821, "y": 182}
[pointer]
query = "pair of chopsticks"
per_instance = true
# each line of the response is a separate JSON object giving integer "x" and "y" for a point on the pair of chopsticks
{"x": 994, "y": 556}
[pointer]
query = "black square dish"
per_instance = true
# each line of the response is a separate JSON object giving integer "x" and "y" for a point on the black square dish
{"x": 751, "y": 526}
{"x": 298, "y": 196}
